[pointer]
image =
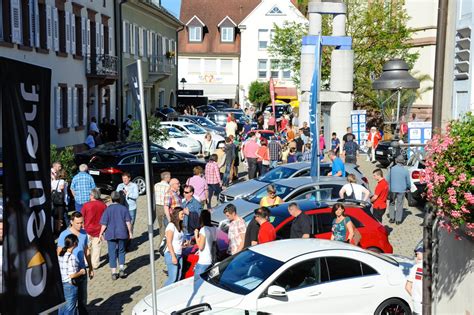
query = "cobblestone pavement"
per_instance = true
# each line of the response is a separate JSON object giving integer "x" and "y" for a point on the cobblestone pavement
{"x": 106, "y": 296}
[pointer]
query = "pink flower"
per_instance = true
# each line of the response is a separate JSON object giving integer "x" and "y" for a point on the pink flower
{"x": 469, "y": 197}
{"x": 462, "y": 177}
{"x": 439, "y": 202}
{"x": 456, "y": 183}
{"x": 441, "y": 178}
{"x": 453, "y": 200}
{"x": 456, "y": 214}
{"x": 451, "y": 191}
{"x": 452, "y": 169}
{"x": 472, "y": 181}
{"x": 463, "y": 209}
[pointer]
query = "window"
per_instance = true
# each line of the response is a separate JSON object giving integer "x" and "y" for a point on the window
{"x": 195, "y": 33}
{"x": 78, "y": 105}
{"x": 275, "y": 68}
{"x": 226, "y": 66}
{"x": 275, "y": 11}
{"x": 286, "y": 74}
{"x": 63, "y": 99}
{"x": 169, "y": 157}
{"x": 134, "y": 159}
{"x": 194, "y": 65}
{"x": 210, "y": 66}
{"x": 263, "y": 39}
{"x": 227, "y": 34}
{"x": 324, "y": 222}
{"x": 262, "y": 68}
{"x": 344, "y": 268}
{"x": 303, "y": 274}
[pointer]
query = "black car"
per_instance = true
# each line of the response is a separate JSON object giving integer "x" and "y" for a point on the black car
{"x": 385, "y": 153}
{"x": 280, "y": 109}
{"x": 220, "y": 118}
{"x": 204, "y": 122}
{"x": 107, "y": 168}
{"x": 206, "y": 109}
{"x": 219, "y": 105}
{"x": 86, "y": 156}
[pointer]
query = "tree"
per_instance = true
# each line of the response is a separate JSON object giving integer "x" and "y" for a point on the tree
{"x": 379, "y": 33}
{"x": 259, "y": 93}
{"x": 66, "y": 157}
{"x": 155, "y": 132}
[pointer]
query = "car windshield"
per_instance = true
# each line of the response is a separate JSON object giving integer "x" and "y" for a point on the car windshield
{"x": 205, "y": 122}
{"x": 275, "y": 220}
{"x": 195, "y": 129}
{"x": 242, "y": 273}
{"x": 281, "y": 191}
{"x": 277, "y": 173}
{"x": 175, "y": 133}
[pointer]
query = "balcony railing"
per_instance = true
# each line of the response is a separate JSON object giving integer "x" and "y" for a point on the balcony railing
{"x": 101, "y": 65}
{"x": 159, "y": 65}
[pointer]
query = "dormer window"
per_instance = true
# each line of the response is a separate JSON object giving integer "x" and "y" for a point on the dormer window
{"x": 227, "y": 29}
{"x": 275, "y": 11}
{"x": 195, "y": 29}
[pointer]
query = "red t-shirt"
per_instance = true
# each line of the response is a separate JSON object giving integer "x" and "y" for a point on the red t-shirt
{"x": 266, "y": 233}
{"x": 381, "y": 190}
{"x": 92, "y": 212}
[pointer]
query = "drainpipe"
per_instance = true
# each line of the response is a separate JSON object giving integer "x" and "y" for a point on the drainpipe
{"x": 119, "y": 49}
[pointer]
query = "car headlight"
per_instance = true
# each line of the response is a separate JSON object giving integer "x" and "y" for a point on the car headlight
{"x": 182, "y": 144}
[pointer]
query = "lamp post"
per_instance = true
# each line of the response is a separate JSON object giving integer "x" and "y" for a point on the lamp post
{"x": 183, "y": 81}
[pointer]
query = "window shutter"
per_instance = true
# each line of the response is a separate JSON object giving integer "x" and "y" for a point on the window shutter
{"x": 132, "y": 39}
{"x": 88, "y": 37}
{"x": 16, "y": 21}
{"x": 75, "y": 107}
{"x": 49, "y": 27}
{"x": 84, "y": 107}
{"x": 102, "y": 39}
{"x": 97, "y": 38}
{"x": 34, "y": 23}
{"x": 73, "y": 34}
{"x": 111, "y": 45}
{"x": 84, "y": 35}
{"x": 67, "y": 16}
{"x": 37, "y": 24}
{"x": 145, "y": 43}
{"x": 140, "y": 41}
{"x": 55, "y": 29}
{"x": 69, "y": 107}
{"x": 163, "y": 46}
{"x": 124, "y": 36}
{"x": 57, "y": 107}
{"x": 137, "y": 44}
{"x": 149, "y": 34}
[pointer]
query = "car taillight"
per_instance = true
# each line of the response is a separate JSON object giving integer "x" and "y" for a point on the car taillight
{"x": 415, "y": 175}
{"x": 110, "y": 170}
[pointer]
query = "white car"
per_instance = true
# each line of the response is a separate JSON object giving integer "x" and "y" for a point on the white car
{"x": 296, "y": 276}
{"x": 193, "y": 131}
{"x": 179, "y": 141}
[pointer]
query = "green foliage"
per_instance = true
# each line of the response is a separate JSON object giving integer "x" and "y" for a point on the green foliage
{"x": 155, "y": 132}
{"x": 66, "y": 157}
{"x": 259, "y": 93}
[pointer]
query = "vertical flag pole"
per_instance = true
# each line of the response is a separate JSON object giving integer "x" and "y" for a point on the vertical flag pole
{"x": 313, "y": 113}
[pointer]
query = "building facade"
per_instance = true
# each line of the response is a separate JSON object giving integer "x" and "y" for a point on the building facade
{"x": 257, "y": 30}
{"x": 149, "y": 33}
{"x": 210, "y": 46}
{"x": 74, "y": 39}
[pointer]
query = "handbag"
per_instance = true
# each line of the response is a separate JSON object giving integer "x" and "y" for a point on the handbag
{"x": 355, "y": 238}
{"x": 57, "y": 197}
{"x": 77, "y": 281}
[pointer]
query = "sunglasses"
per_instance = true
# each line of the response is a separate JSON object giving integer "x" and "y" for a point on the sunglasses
{"x": 187, "y": 192}
{"x": 272, "y": 192}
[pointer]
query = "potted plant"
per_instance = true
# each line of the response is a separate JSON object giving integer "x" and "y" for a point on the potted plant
{"x": 170, "y": 54}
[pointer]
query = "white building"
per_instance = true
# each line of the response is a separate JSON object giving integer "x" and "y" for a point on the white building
{"x": 76, "y": 41}
{"x": 256, "y": 33}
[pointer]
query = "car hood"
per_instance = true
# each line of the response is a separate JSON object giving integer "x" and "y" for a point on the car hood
{"x": 241, "y": 189}
{"x": 189, "y": 292}
{"x": 243, "y": 208}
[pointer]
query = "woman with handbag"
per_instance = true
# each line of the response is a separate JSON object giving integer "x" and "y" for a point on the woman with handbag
{"x": 59, "y": 199}
{"x": 263, "y": 157}
{"x": 354, "y": 191}
{"x": 174, "y": 246}
{"x": 342, "y": 226}
{"x": 69, "y": 273}
{"x": 207, "y": 146}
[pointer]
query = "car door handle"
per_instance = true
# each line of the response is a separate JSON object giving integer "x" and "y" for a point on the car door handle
{"x": 367, "y": 285}
{"x": 314, "y": 293}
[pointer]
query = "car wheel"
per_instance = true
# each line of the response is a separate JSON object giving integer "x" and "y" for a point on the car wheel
{"x": 412, "y": 202}
{"x": 393, "y": 306}
{"x": 140, "y": 181}
{"x": 375, "y": 250}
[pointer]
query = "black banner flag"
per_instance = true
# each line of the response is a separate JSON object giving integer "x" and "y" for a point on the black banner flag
{"x": 32, "y": 281}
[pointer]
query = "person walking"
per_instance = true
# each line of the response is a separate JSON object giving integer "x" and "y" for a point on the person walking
{"x": 322, "y": 145}
{"x": 199, "y": 184}
{"x": 335, "y": 144}
{"x": 172, "y": 200}
{"x": 373, "y": 139}
{"x": 60, "y": 201}
{"x": 266, "y": 232}
{"x": 307, "y": 154}
{"x": 399, "y": 183}
{"x": 160, "y": 191}
{"x": 208, "y": 146}
{"x": 350, "y": 150}
{"x": 205, "y": 236}
{"x": 337, "y": 169}
{"x": 274, "y": 147}
{"x": 348, "y": 134}
{"x": 81, "y": 186}
{"x": 127, "y": 126}
{"x": 174, "y": 246}
{"x": 301, "y": 225}
{"x": 379, "y": 198}
{"x": 116, "y": 230}
{"x": 250, "y": 154}
{"x": 228, "y": 160}
{"x": 263, "y": 157}
{"x": 130, "y": 192}
{"x": 271, "y": 199}
{"x": 55, "y": 168}
{"x": 414, "y": 284}
{"x": 213, "y": 179}
{"x": 82, "y": 255}
{"x": 92, "y": 212}
{"x": 342, "y": 226}
{"x": 354, "y": 191}
{"x": 192, "y": 210}
{"x": 231, "y": 126}
{"x": 70, "y": 270}
{"x": 237, "y": 229}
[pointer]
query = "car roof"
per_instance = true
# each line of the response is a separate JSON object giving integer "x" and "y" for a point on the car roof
{"x": 284, "y": 250}
{"x": 180, "y": 123}
{"x": 295, "y": 182}
{"x": 281, "y": 210}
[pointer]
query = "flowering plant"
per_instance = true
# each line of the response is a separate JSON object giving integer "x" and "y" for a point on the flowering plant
{"x": 449, "y": 175}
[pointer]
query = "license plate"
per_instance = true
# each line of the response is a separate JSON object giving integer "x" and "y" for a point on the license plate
{"x": 379, "y": 152}
{"x": 94, "y": 172}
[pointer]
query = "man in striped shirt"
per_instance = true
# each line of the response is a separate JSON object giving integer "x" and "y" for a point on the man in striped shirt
{"x": 213, "y": 179}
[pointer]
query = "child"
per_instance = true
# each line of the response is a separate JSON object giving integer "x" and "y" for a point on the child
{"x": 69, "y": 270}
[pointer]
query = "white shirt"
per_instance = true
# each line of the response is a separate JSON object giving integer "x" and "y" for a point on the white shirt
{"x": 358, "y": 190}
{"x": 231, "y": 128}
{"x": 416, "y": 277}
{"x": 177, "y": 240}
{"x": 93, "y": 127}
{"x": 205, "y": 256}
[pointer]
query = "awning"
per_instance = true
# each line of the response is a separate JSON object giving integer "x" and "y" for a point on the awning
{"x": 286, "y": 93}
{"x": 216, "y": 91}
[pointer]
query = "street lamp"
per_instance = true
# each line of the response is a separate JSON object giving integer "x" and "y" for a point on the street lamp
{"x": 183, "y": 81}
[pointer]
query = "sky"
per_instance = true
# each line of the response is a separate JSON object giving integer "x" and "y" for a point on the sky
{"x": 172, "y": 6}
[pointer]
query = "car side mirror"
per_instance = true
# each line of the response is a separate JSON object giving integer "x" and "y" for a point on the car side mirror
{"x": 276, "y": 291}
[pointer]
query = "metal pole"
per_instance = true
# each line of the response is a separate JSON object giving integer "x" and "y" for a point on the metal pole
{"x": 428, "y": 235}
{"x": 149, "y": 187}
{"x": 398, "y": 107}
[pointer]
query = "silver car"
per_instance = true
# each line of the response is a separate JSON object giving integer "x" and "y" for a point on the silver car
{"x": 291, "y": 170}
{"x": 287, "y": 189}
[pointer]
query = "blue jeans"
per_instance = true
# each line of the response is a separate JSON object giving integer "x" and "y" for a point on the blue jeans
{"x": 174, "y": 271}
{"x": 213, "y": 189}
{"x": 82, "y": 297}
{"x": 114, "y": 247}
{"x": 133, "y": 215}
{"x": 70, "y": 295}
{"x": 225, "y": 179}
{"x": 78, "y": 206}
{"x": 198, "y": 269}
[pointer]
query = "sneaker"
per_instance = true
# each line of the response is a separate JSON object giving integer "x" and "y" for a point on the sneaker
{"x": 115, "y": 276}
{"x": 122, "y": 274}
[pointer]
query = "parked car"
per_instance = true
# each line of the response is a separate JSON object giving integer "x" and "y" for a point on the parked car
{"x": 84, "y": 157}
{"x": 280, "y": 109}
{"x": 385, "y": 153}
{"x": 219, "y": 105}
{"x": 204, "y": 122}
{"x": 193, "y": 131}
{"x": 178, "y": 140}
{"x": 107, "y": 168}
{"x": 416, "y": 167}
{"x": 284, "y": 171}
{"x": 220, "y": 118}
{"x": 206, "y": 109}
{"x": 295, "y": 276}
